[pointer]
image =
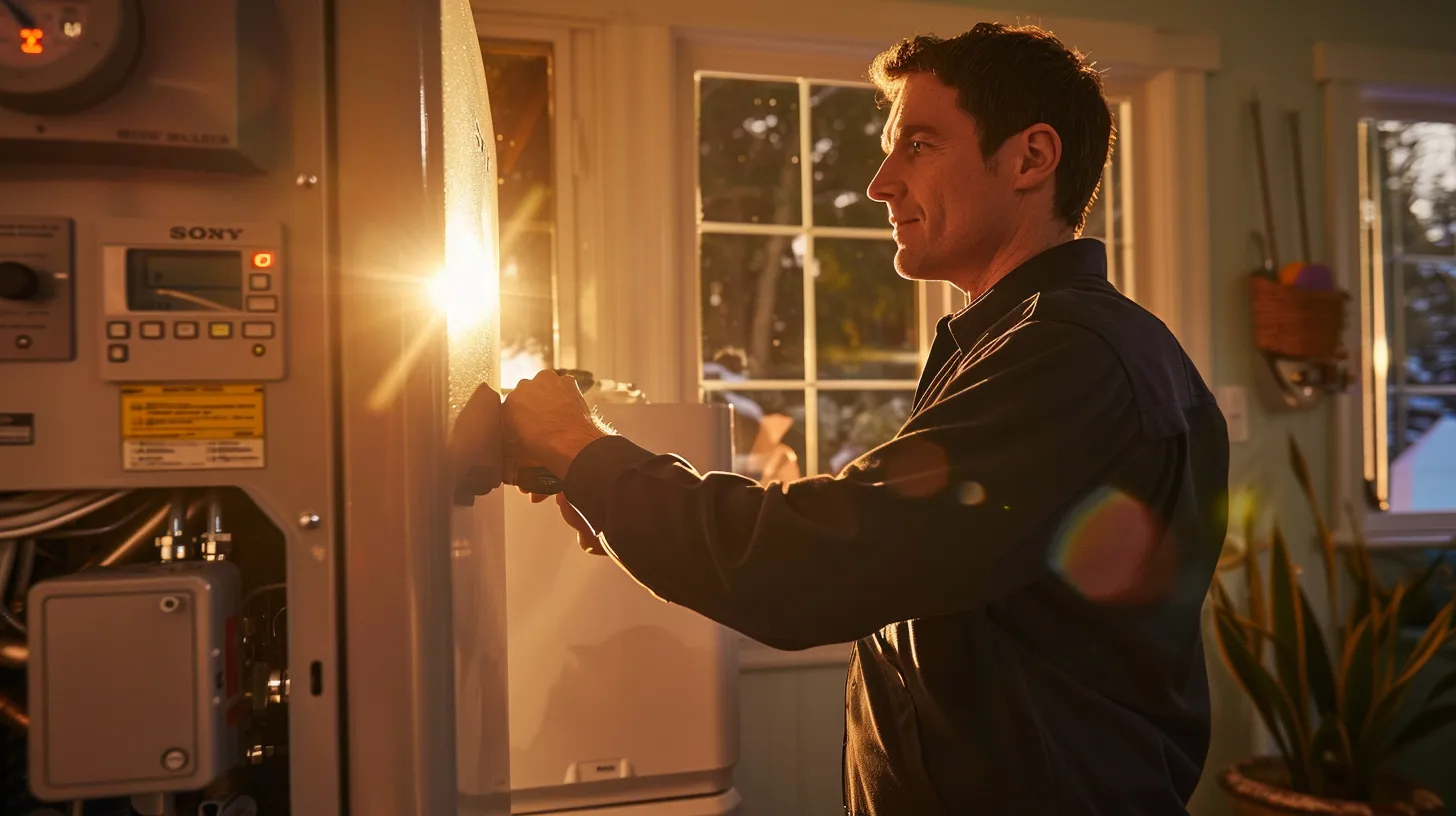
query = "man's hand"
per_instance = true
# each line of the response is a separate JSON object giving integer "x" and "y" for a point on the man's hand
{"x": 549, "y": 422}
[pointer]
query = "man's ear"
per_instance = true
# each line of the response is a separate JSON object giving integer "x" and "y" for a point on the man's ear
{"x": 1039, "y": 154}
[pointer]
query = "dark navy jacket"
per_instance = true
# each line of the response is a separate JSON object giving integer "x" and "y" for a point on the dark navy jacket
{"x": 1023, "y": 566}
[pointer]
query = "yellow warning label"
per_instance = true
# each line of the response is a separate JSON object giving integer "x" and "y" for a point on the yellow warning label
{"x": 192, "y": 412}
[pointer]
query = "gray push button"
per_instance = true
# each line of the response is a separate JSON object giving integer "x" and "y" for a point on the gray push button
{"x": 153, "y": 330}
{"x": 117, "y": 353}
{"x": 118, "y": 330}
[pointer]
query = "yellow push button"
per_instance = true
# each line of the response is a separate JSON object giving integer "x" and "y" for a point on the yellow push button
{"x": 220, "y": 331}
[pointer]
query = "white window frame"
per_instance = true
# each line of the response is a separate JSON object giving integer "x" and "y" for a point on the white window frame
{"x": 634, "y": 235}
{"x": 705, "y": 53}
{"x": 571, "y": 46}
{"x": 1360, "y": 81}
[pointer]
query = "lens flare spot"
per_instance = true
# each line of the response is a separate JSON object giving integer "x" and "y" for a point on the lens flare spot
{"x": 1113, "y": 551}
{"x": 972, "y": 493}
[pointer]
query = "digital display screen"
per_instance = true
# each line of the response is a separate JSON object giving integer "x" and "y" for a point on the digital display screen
{"x": 179, "y": 280}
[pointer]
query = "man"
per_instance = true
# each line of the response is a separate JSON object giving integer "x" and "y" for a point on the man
{"x": 1023, "y": 566}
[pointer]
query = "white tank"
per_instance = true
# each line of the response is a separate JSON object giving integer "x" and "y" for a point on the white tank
{"x": 615, "y": 696}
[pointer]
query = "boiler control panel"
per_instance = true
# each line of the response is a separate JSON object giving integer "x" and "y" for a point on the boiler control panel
{"x": 191, "y": 301}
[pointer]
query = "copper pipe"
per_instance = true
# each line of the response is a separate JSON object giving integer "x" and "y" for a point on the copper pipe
{"x": 142, "y": 533}
{"x": 145, "y": 532}
{"x": 12, "y": 713}
{"x": 14, "y": 653}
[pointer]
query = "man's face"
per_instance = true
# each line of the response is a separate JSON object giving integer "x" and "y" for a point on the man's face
{"x": 950, "y": 211}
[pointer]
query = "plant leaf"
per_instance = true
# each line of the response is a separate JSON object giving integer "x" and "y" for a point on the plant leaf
{"x": 1383, "y": 717}
{"x": 1221, "y": 598}
{"x": 1264, "y": 691}
{"x": 1425, "y": 724}
{"x": 1288, "y": 627}
{"x": 1301, "y": 475}
{"x": 1258, "y": 609}
{"x": 1418, "y": 586}
{"x": 1357, "y": 678}
{"x": 1443, "y": 687}
{"x": 1429, "y": 644}
{"x": 1317, "y": 663}
{"x": 1327, "y": 539}
{"x": 1357, "y": 562}
{"x": 1387, "y": 636}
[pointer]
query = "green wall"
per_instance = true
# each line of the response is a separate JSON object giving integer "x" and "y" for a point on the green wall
{"x": 1267, "y": 47}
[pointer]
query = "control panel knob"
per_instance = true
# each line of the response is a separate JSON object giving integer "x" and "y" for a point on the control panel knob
{"x": 18, "y": 281}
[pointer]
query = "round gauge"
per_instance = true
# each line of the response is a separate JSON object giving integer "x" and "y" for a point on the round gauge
{"x": 62, "y": 56}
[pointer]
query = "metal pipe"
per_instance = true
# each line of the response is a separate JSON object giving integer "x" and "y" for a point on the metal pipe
{"x": 173, "y": 542}
{"x": 14, "y": 653}
{"x": 177, "y": 522}
{"x": 23, "y": 569}
{"x": 46, "y": 512}
{"x": 214, "y": 544}
{"x": 32, "y": 500}
{"x": 7, "y": 559}
{"x": 85, "y": 532}
{"x": 142, "y": 534}
{"x": 12, "y": 713}
{"x": 7, "y": 617}
{"x": 50, "y": 523}
{"x": 214, "y": 511}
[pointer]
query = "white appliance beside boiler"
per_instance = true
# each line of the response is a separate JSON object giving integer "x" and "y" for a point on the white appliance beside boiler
{"x": 619, "y": 702}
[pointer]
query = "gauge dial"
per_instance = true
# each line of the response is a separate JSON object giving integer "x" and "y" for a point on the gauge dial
{"x": 62, "y": 56}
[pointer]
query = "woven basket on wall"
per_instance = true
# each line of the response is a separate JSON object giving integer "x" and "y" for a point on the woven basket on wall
{"x": 1305, "y": 324}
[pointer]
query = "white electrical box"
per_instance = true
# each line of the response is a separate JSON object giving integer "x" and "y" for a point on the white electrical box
{"x": 135, "y": 680}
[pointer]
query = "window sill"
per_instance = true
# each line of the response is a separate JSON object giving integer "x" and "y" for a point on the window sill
{"x": 754, "y": 656}
{"x": 1397, "y": 541}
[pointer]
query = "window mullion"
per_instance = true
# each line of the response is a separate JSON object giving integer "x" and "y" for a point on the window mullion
{"x": 1375, "y": 427}
{"x": 811, "y": 269}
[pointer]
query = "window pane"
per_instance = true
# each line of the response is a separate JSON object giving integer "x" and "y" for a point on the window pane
{"x": 865, "y": 316}
{"x": 527, "y": 306}
{"x": 845, "y": 137}
{"x": 520, "y": 79}
{"x": 1429, "y": 299}
{"x": 748, "y": 151}
{"x": 768, "y": 433}
{"x": 753, "y": 307}
{"x": 852, "y": 423}
{"x": 1423, "y": 473}
{"x": 1419, "y": 161}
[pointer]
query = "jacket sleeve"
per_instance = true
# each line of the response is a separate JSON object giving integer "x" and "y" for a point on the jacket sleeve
{"x": 959, "y": 509}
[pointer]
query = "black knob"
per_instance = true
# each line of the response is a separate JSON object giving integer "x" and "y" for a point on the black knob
{"x": 18, "y": 281}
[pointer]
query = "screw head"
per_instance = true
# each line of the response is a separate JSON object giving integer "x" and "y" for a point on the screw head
{"x": 174, "y": 759}
{"x": 171, "y": 603}
{"x": 308, "y": 521}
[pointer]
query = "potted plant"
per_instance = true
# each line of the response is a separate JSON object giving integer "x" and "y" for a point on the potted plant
{"x": 1337, "y": 716}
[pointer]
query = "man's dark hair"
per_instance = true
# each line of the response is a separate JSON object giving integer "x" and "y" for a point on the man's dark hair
{"x": 1008, "y": 79}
